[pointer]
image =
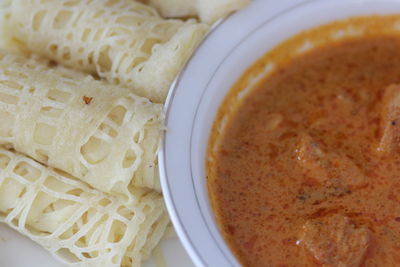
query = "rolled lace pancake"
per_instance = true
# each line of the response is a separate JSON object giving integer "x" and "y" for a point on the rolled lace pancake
{"x": 79, "y": 225}
{"x": 100, "y": 133}
{"x": 208, "y": 11}
{"x": 174, "y": 8}
{"x": 121, "y": 40}
{"x": 211, "y": 10}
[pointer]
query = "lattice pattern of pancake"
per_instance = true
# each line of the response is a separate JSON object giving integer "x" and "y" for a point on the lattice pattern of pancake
{"x": 99, "y": 133}
{"x": 78, "y": 224}
{"x": 122, "y": 40}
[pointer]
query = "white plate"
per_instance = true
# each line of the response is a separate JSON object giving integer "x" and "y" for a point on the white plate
{"x": 19, "y": 251}
{"x": 192, "y": 105}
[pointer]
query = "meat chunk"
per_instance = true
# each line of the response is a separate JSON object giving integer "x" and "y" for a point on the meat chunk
{"x": 312, "y": 159}
{"x": 390, "y": 120}
{"x": 329, "y": 168}
{"x": 334, "y": 241}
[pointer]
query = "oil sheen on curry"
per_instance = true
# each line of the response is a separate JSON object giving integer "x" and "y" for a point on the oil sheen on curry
{"x": 307, "y": 168}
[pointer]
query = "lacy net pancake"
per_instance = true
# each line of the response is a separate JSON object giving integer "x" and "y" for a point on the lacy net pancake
{"x": 208, "y": 11}
{"x": 123, "y": 41}
{"x": 100, "y": 133}
{"x": 79, "y": 225}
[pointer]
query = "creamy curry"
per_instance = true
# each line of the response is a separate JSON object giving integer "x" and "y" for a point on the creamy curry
{"x": 307, "y": 170}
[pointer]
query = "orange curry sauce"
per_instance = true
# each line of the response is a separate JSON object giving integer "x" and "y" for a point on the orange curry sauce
{"x": 307, "y": 170}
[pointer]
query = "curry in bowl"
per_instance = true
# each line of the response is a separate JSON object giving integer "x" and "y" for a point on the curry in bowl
{"x": 304, "y": 169}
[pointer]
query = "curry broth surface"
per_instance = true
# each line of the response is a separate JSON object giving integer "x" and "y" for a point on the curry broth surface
{"x": 262, "y": 196}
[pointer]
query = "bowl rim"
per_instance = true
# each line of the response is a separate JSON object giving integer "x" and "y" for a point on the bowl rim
{"x": 162, "y": 155}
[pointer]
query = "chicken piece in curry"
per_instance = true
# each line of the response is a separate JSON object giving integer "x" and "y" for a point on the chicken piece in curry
{"x": 307, "y": 171}
{"x": 334, "y": 240}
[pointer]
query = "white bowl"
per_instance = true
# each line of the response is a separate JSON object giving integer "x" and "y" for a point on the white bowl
{"x": 197, "y": 94}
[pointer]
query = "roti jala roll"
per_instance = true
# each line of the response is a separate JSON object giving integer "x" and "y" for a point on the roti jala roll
{"x": 208, "y": 11}
{"x": 81, "y": 226}
{"x": 100, "y": 133}
{"x": 123, "y": 41}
